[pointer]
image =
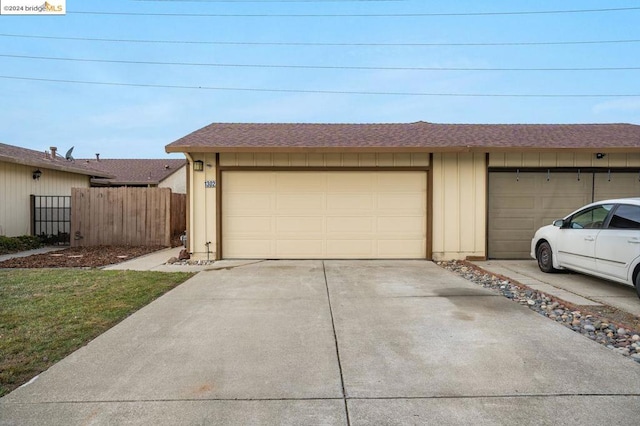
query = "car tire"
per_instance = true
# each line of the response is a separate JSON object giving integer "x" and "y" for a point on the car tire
{"x": 544, "y": 256}
{"x": 637, "y": 283}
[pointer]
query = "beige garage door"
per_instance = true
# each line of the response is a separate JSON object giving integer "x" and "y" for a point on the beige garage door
{"x": 520, "y": 203}
{"x": 344, "y": 215}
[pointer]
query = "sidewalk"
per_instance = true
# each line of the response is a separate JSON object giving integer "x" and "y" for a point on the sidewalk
{"x": 31, "y": 252}
{"x": 156, "y": 261}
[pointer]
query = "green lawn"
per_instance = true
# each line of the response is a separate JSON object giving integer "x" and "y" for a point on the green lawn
{"x": 46, "y": 314}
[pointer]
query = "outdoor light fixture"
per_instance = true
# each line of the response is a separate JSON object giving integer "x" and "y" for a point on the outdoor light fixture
{"x": 600, "y": 155}
{"x": 36, "y": 174}
{"x": 198, "y": 166}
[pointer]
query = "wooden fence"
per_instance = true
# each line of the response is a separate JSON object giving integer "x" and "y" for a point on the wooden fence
{"x": 126, "y": 216}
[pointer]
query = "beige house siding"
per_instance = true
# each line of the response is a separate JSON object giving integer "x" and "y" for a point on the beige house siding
{"x": 568, "y": 159}
{"x": 17, "y": 184}
{"x": 325, "y": 160}
{"x": 202, "y": 211}
{"x": 459, "y": 206}
{"x": 177, "y": 181}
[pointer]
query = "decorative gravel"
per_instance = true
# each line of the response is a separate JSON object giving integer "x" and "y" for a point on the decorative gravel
{"x": 611, "y": 334}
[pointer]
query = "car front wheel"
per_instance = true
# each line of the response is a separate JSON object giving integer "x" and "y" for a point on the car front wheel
{"x": 637, "y": 283}
{"x": 544, "y": 255}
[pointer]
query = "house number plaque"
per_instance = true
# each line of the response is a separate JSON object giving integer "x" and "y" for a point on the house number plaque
{"x": 209, "y": 183}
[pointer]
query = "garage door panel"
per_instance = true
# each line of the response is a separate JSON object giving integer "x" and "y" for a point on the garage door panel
{"x": 513, "y": 224}
{"x": 251, "y": 248}
{"x": 299, "y": 201}
{"x": 616, "y": 185}
{"x": 296, "y": 248}
{"x": 353, "y": 249}
{"x": 349, "y": 182}
{"x": 400, "y": 182}
{"x": 346, "y": 215}
{"x": 402, "y": 201}
{"x": 404, "y": 224}
{"x": 350, "y": 225}
{"x": 244, "y": 225}
{"x": 304, "y": 182}
{"x": 350, "y": 200}
{"x": 249, "y": 201}
{"x": 300, "y": 224}
{"x": 398, "y": 248}
{"x": 514, "y": 202}
{"x": 263, "y": 181}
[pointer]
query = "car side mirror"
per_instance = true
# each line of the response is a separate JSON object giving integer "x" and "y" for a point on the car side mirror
{"x": 559, "y": 223}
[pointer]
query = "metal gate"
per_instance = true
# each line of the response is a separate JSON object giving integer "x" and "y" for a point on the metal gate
{"x": 51, "y": 218}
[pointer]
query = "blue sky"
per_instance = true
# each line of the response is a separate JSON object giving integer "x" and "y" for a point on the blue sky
{"x": 124, "y": 119}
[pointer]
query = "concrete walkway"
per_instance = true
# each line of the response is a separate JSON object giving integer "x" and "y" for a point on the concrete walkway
{"x": 333, "y": 343}
{"x": 575, "y": 288}
{"x": 26, "y": 253}
{"x": 156, "y": 261}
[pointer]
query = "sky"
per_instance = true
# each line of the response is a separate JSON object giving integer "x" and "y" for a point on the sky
{"x": 124, "y": 78}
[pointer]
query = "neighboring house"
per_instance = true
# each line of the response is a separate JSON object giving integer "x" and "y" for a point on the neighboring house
{"x": 35, "y": 190}
{"x": 162, "y": 173}
{"x": 414, "y": 190}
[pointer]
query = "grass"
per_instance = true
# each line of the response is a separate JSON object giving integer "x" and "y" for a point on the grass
{"x": 46, "y": 314}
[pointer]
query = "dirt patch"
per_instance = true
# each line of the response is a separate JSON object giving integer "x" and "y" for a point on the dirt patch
{"x": 80, "y": 257}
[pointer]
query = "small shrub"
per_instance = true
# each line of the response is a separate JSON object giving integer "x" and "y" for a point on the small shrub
{"x": 21, "y": 243}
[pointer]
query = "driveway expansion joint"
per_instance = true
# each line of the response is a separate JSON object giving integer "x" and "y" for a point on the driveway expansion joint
{"x": 335, "y": 337}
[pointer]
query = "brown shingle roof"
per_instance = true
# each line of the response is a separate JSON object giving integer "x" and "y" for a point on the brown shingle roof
{"x": 420, "y": 136}
{"x": 40, "y": 159}
{"x": 135, "y": 171}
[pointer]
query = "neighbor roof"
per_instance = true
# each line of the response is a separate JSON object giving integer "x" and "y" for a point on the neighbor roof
{"x": 420, "y": 136}
{"x": 135, "y": 171}
{"x": 45, "y": 160}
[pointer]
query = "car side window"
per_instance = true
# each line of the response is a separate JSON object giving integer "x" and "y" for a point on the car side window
{"x": 625, "y": 217}
{"x": 591, "y": 218}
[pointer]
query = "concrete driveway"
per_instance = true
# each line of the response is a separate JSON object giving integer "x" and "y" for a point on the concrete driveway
{"x": 333, "y": 343}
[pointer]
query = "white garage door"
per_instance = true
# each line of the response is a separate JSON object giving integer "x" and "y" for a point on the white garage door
{"x": 320, "y": 215}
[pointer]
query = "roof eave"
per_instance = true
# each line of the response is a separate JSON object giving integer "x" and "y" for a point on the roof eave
{"x": 62, "y": 167}
{"x": 405, "y": 149}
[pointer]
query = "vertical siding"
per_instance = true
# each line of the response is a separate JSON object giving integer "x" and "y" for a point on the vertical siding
{"x": 459, "y": 206}
{"x": 325, "y": 160}
{"x": 177, "y": 182}
{"x": 202, "y": 208}
{"x": 562, "y": 159}
{"x": 16, "y": 186}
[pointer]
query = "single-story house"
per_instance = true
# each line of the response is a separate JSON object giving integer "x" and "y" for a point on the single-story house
{"x": 160, "y": 173}
{"x": 409, "y": 190}
{"x": 35, "y": 190}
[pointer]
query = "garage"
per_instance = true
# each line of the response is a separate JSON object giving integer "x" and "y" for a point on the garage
{"x": 521, "y": 202}
{"x": 323, "y": 214}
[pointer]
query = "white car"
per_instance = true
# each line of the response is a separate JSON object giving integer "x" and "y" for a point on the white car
{"x": 600, "y": 239}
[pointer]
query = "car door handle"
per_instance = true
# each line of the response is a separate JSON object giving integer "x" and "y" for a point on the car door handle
{"x": 589, "y": 238}
{"x": 634, "y": 241}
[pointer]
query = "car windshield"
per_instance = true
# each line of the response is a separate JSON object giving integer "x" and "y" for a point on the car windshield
{"x": 590, "y": 218}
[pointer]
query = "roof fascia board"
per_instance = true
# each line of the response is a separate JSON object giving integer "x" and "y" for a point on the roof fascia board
{"x": 54, "y": 166}
{"x": 433, "y": 149}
